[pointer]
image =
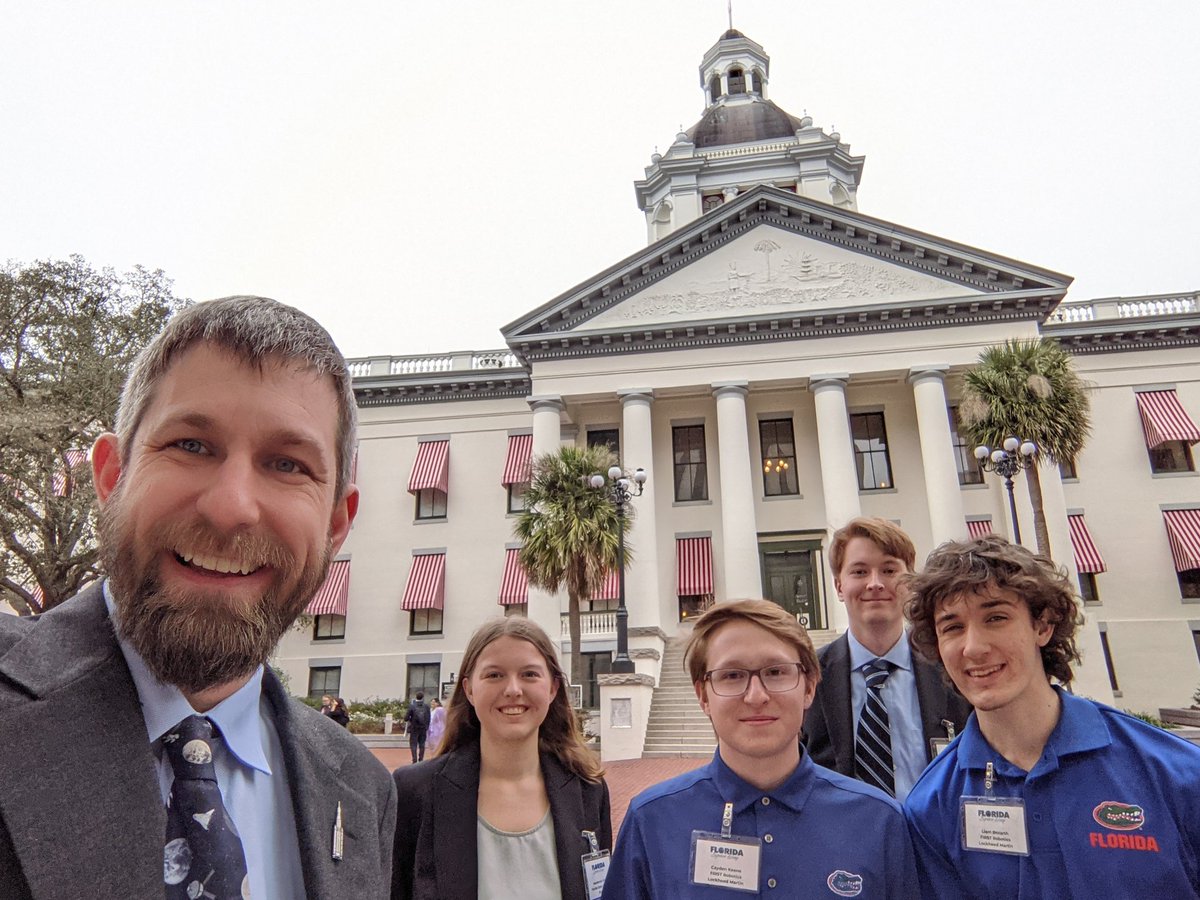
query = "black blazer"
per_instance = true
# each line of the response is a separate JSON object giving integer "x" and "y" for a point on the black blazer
{"x": 829, "y": 723}
{"x": 435, "y": 856}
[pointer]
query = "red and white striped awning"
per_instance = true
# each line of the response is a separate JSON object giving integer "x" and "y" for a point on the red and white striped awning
{"x": 1087, "y": 557}
{"x": 514, "y": 586}
{"x": 516, "y": 463}
{"x": 426, "y": 588}
{"x": 63, "y": 477}
{"x": 334, "y": 595}
{"x": 1164, "y": 419}
{"x": 693, "y": 558}
{"x": 1183, "y": 531}
{"x": 611, "y": 589}
{"x": 431, "y": 468}
{"x": 979, "y": 528}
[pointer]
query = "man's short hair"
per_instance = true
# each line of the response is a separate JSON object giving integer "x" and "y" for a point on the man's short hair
{"x": 887, "y": 536}
{"x": 763, "y": 613}
{"x": 959, "y": 568}
{"x": 420, "y": 695}
{"x": 255, "y": 330}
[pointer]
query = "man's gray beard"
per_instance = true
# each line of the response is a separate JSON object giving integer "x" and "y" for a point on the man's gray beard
{"x": 184, "y": 637}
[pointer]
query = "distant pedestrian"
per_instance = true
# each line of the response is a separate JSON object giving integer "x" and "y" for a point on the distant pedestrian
{"x": 417, "y": 719}
{"x": 335, "y": 708}
{"x": 437, "y": 724}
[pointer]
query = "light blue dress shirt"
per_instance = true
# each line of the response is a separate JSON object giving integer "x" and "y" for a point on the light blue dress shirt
{"x": 258, "y": 801}
{"x": 904, "y": 709}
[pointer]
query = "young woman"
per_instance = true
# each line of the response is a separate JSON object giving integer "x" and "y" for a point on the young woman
{"x": 505, "y": 806}
{"x": 437, "y": 725}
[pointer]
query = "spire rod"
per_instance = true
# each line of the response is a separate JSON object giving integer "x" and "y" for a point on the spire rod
{"x": 729, "y": 5}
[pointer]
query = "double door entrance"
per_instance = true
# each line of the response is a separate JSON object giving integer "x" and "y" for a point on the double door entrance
{"x": 791, "y": 576}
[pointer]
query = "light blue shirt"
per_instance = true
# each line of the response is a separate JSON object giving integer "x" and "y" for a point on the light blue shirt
{"x": 904, "y": 709}
{"x": 258, "y": 801}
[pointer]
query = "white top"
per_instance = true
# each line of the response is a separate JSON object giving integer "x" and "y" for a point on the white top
{"x": 518, "y": 864}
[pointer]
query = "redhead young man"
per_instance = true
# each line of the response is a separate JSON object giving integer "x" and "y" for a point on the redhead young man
{"x": 1044, "y": 794}
{"x": 761, "y": 817}
{"x": 910, "y": 709}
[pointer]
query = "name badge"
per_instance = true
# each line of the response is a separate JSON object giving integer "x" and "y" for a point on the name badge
{"x": 595, "y": 871}
{"x": 726, "y": 861}
{"x": 994, "y": 825}
{"x": 937, "y": 745}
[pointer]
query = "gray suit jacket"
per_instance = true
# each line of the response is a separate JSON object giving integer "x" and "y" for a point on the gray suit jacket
{"x": 80, "y": 810}
{"x": 829, "y": 724}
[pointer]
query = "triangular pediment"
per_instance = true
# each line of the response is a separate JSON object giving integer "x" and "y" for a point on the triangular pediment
{"x": 771, "y": 265}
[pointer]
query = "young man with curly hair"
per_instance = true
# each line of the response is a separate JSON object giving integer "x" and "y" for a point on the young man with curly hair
{"x": 1045, "y": 794}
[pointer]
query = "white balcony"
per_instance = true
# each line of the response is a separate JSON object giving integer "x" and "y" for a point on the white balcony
{"x": 592, "y": 625}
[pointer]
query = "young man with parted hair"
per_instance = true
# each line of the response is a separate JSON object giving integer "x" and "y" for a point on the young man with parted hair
{"x": 148, "y": 748}
{"x": 761, "y": 817}
{"x": 1044, "y": 794}
{"x": 881, "y": 713}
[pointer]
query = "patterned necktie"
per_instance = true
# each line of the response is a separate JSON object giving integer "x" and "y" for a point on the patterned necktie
{"x": 873, "y": 743}
{"x": 203, "y": 856}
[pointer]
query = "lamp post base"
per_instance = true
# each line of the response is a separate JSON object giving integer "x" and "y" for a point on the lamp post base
{"x": 623, "y": 666}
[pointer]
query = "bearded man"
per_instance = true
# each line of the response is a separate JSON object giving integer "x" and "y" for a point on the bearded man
{"x": 147, "y": 750}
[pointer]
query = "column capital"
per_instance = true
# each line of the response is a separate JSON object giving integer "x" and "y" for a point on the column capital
{"x": 546, "y": 402}
{"x": 632, "y": 395}
{"x": 925, "y": 372}
{"x": 740, "y": 388}
{"x": 837, "y": 380}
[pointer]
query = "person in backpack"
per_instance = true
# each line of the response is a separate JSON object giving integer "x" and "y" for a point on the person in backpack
{"x": 417, "y": 718}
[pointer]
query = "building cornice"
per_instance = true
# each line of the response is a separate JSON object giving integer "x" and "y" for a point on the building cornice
{"x": 1122, "y": 324}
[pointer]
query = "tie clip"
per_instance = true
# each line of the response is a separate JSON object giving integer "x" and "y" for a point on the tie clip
{"x": 339, "y": 834}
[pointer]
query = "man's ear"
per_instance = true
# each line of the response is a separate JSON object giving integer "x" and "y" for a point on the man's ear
{"x": 344, "y": 511}
{"x": 106, "y": 465}
{"x": 702, "y": 696}
{"x": 1044, "y": 631}
{"x": 837, "y": 587}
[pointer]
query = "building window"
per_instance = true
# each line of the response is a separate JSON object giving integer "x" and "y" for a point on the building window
{"x": 1112, "y": 673}
{"x": 606, "y": 605}
{"x": 328, "y": 628}
{"x": 1189, "y": 583}
{"x": 714, "y": 87}
{"x": 516, "y": 496}
{"x": 324, "y": 680}
{"x": 778, "y": 457}
{"x": 594, "y": 664}
{"x": 516, "y": 609}
{"x": 1067, "y": 470}
{"x": 431, "y": 504}
{"x": 691, "y": 605}
{"x": 711, "y": 202}
{"x": 969, "y": 469}
{"x": 1088, "y": 591}
{"x": 1171, "y": 456}
{"x": 737, "y": 82}
{"x": 871, "y": 451}
{"x": 1196, "y": 641}
{"x": 425, "y": 621}
{"x": 606, "y": 437}
{"x": 756, "y": 82}
{"x": 424, "y": 677}
{"x": 691, "y": 467}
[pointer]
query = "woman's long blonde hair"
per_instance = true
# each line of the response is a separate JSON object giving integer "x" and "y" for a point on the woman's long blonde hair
{"x": 558, "y": 735}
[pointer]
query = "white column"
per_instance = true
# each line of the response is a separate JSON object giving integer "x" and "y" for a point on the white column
{"x": 947, "y": 522}
{"x": 647, "y": 605}
{"x": 739, "y": 535}
{"x": 546, "y": 608}
{"x": 839, "y": 481}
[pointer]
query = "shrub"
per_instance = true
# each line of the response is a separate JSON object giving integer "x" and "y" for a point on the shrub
{"x": 1151, "y": 720}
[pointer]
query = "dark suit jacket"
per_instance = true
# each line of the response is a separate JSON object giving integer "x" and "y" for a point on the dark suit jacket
{"x": 81, "y": 814}
{"x": 829, "y": 723}
{"x": 436, "y": 856}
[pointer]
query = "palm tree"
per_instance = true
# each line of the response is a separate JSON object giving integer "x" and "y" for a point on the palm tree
{"x": 1029, "y": 389}
{"x": 568, "y": 531}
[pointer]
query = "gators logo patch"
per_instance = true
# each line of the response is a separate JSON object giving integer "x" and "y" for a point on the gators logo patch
{"x": 845, "y": 884}
{"x": 1119, "y": 816}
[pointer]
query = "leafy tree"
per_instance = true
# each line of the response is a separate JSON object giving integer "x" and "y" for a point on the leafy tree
{"x": 1029, "y": 389}
{"x": 68, "y": 332}
{"x": 568, "y": 531}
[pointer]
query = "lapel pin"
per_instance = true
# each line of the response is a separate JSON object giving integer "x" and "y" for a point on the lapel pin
{"x": 339, "y": 834}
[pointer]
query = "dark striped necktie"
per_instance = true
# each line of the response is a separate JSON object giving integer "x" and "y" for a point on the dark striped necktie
{"x": 203, "y": 855}
{"x": 873, "y": 742}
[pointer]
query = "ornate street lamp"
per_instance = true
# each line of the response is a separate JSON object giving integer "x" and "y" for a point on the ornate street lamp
{"x": 620, "y": 491}
{"x": 1016, "y": 455}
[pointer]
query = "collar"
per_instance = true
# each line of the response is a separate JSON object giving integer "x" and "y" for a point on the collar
{"x": 900, "y": 656}
{"x": 791, "y": 793}
{"x": 1080, "y": 728}
{"x": 164, "y": 706}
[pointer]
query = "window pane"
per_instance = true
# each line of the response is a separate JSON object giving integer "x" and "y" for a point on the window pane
{"x": 605, "y": 437}
{"x": 329, "y": 627}
{"x": 1112, "y": 673}
{"x": 1087, "y": 588}
{"x": 516, "y": 496}
{"x": 969, "y": 469}
{"x": 691, "y": 469}
{"x": 1189, "y": 583}
{"x": 324, "y": 680}
{"x": 1067, "y": 470}
{"x": 423, "y": 677}
{"x": 431, "y": 504}
{"x": 425, "y": 621}
{"x": 1173, "y": 456}
{"x": 871, "y": 451}
{"x": 778, "y": 457}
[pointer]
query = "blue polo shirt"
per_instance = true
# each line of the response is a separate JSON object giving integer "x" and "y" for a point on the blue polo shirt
{"x": 1112, "y": 809}
{"x": 823, "y": 835}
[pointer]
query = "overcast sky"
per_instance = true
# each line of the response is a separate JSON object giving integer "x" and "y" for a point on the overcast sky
{"x": 417, "y": 175}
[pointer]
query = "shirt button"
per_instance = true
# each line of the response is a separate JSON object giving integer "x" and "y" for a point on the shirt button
{"x": 766, "y": 801}
{"x": 771, "y": 882}
{"x": 1037, "y": 817}
{"x": 768, "y": 838}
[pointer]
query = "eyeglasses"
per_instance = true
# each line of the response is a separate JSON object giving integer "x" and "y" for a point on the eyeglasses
{"x": 775, "y": 678}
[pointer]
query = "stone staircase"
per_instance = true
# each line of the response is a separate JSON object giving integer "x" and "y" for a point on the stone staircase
{"x": 677, "y": 726}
